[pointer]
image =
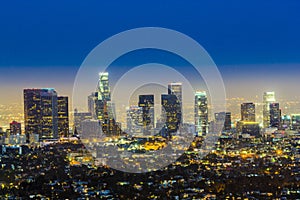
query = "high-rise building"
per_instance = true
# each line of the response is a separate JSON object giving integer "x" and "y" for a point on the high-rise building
{"x": 63, "y": 116}
{"x": 104, "y": 108}
{"x": 268, "y": 98}
{"x": 171, "y": 109}
{"x": 295, "y": 122}
{"x": 248, "y": 112}
{"x": 201, "y": 113}
{"x": 79, "y": 117}
{"x": 135, "y": 120}
{"x": 104, "y": 89}
{"x": 15, "y": 128}
{"x": 146, "y": 102}
{"x": 41, "y": 113}
{"x": 92, "y": 104}
{"x": 175, "y": 88}
{"x": 226, "y": 117}
{"x": 275, "y": 115}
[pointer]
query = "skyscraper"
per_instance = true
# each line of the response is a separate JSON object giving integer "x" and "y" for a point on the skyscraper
{"x": 103, "y": 88}
{"x": 134, "y": 120}
{"x": 248, "y": 112}
{"x": 63, "y": 116}
{"x": 275, "y": 115}
{"x": 104, "y": 108}
{"x": 226, "y": 117}
{"x": 15, "y": 128}
{"x": 268, "y": 98}
{"x": 201, "y": 113}
{"x": 41, "y": 113}
{"x": 146, "y": 102}
{"x": 92, "y": 104}
{"x": 176, "y": 89}
{"x": 79, "y": 117}
{"x": 171, "y": 109}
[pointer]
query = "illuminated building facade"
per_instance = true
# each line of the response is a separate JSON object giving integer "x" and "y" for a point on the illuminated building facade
{"x": 15, "y": 128}
{"x": 268, "y": 98}
{"x": 63, "y": 116}
{"x": 176, "y": 89}
{"x": 135, "y": 120}
{"x": 79, "y": 117}
{"x": 103, "y": 87}
{"x": 41, "y": 113}
{"x": 226, "y": 117}
{"x": 92, "y": 104}
{"x": 201, "y": 113}
{"x": 171, "y": 109}
{"x": 248, "y": 112}
{"x": 275, "y": 115}
{"x": 295, "y": 122}
{"x": 146, "y": 102}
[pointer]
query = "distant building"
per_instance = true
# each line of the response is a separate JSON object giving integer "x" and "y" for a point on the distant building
{"x": 268, "y": 98}
{"x": 146, "y": 102}
{"x": 92, "y": 128}
{"x": 15, "y": 128}
{"x": 226, "y": 117}
{"x": 201, "y": 113}
{"x": 135, "y": 120}
{"x": 295, "y": 122}
{"x": 248, "y": 128}
{"x": 175, "y": 88}
{"x": 79, "y": 117}
{"x": 286, "y": 121}
{"x": 92, "y": 104}
{"x": 248, "y": 112}
{"x": 103, "y": 87}
{"x": 63, "y": 116}
{"x": 41, "y": 113}
{"x": 275, "y": 115}
{"x": 171, "y": 109}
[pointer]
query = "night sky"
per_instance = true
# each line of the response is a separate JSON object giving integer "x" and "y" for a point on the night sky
{"x": 255, "y": 44}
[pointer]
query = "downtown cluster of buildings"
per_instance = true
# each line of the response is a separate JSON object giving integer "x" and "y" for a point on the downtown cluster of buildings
{"x": 47, "y": 116}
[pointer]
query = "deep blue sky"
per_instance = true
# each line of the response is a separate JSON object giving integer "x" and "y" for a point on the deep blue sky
{"x": 43, "y": 43}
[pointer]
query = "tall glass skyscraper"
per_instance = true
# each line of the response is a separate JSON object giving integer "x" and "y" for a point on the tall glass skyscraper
{"x": 146, "y": 102}
{"x": 248, "y": 112}
{"x": 201, "y": 113}
{"x": 268, "y": 98}
{"x": 171, "y": 109}
{"x": 275, "y": 115}
{"x": 41, "y": 113}
{"x": 103, "y": 89}
{"x": 176, "y": 89}
{"x": 63, "y": 116}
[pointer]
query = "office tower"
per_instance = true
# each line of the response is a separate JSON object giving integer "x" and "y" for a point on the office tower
{"x": 226, "y": 117}
{"x": 79, "y": 117}
{"x": 63, "y": 116}
{"x": 286, "y": 121}
{"x": 15, "y": 128}
{"x": 251, "y": 129}
{"x": 201, "y": 113}
{"x": 40, "y": 110}
{"x": 92, "y": 104}
{"x": 176, "y": 89}
{"x": 104, "y": 108}
{"x": 171, "y": 110}
{"x": 248, "y": 112}
{"x": 146, "y": 102}
{"x": 134, "y": 120}
{"x": 268, "y": 98}
{"x": 92, "y": 128}
{"x": 275, "y": 115}
{"x": 103, "y": 88}
{"x": 295, "y": 122}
